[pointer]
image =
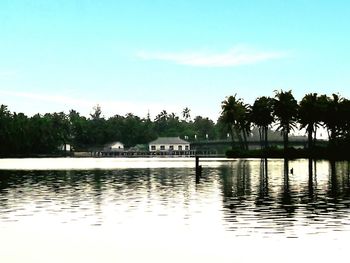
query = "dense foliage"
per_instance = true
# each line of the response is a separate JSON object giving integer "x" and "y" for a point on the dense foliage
{"x": 43, "y": 134}
{"x": 284, "y": 112}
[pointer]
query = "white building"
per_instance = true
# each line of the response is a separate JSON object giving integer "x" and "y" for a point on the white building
{"x": 65, "y": 147}
{"x": 114, "y": 147}
{"x": 169, "y": 144}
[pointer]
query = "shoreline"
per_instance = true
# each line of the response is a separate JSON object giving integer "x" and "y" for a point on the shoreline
{"x": 93, "y": 163}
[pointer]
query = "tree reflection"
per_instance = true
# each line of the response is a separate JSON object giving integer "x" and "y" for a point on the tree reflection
{"x": 339, "y": 183}
{"x": 312, "y": 182}
{"x": 347, "y": 185}
{"x": 227, "y": 181}
{"x": 264, "y": 183}
{"x": 287, "y": 202}
{"x": 236, "y": 185}
{"x": 263, "y": 197}
{"x": 246, "y": 190}
{"x": 333, "y": 191}
{"x": 264, "y": 200}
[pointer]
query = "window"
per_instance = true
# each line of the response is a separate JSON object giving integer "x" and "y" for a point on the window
{"x": 171, "y": 147}
{"x": 180, "y": 147}
{"x": 186, "y": 148}
{"x": 162, "y": 147}
{"x": 153, "y": 147}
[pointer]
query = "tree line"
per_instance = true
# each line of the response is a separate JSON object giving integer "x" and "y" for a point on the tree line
{"x": 43, "y": 134}
{"x": 283, "y": 112}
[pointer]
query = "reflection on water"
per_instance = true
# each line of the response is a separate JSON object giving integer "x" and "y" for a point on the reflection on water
{"x": 309, "y": 198}
{"x": 251, "y": 198}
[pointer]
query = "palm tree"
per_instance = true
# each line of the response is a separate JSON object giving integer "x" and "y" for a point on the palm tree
{"x": 331, "y": 116}
{"x": 285, "y": 109}
{"x": 186, "y": 114}
{"x": 308, "y": 116}
{"x": 244, "y": 122}
{"x": 235, "y": 114}
{"x": 344, "y": 114}
{"x": 228, "y": 107}
{"x": 262, "y": 117}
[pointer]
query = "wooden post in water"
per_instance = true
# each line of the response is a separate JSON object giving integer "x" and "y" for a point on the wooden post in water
{"x": 198, "y": 170}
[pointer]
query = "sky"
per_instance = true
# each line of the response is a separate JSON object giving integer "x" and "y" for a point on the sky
{"x": 152, "y": 55}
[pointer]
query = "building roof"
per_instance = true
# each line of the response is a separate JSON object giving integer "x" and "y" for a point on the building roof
{"x": 169, "y": 140}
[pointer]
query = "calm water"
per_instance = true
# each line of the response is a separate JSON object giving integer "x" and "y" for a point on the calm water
{"x": 242, "y": 210}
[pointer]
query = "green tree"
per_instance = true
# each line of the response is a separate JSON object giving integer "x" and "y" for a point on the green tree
{"x": 148, "y": 131}
{"x": 114, "y": 128}
{"x": 40, "y": 132}
{"x": 161, "y": 123}
{"x": 5, "y": 129}
{"x": 132, "y": 130}
{"x": 79, "y": 130}
{"x": 203, "y": 128}
{"x": 60, "y": 128}
{"x": 97, "y": 128}
{"x": 19, "y": 139}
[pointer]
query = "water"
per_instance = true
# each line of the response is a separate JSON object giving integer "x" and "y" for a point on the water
{"x": 152, "y": 210}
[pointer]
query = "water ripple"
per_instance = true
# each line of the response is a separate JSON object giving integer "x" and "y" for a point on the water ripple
{"x": 245, "y": 198}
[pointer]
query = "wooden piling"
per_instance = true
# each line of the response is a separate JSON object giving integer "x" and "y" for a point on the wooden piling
{"x": 198, "y": 170}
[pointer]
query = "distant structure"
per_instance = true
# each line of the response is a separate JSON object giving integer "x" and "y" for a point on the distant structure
{"x": 163, "y": 146}
{"x": 65, "y": 147}
{"x": 173, "y": 145}
{"x": 114, "y": 147}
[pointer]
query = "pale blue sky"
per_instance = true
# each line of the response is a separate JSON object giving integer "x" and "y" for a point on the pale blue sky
{"x": 135, "y": 56}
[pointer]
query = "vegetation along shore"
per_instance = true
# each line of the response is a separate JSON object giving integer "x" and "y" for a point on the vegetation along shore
{"x": 268, "y": 119}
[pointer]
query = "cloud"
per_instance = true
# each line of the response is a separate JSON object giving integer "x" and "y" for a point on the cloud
{"x": 236, "y": 56}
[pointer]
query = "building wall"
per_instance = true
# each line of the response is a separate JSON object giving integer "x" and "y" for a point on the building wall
{"x": 118, "y": 146}
{"x": 115, "y": 147}
{"x": 169, "y": 147}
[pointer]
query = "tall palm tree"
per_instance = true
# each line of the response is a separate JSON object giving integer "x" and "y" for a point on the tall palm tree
{"x": 308, "y": 116}
{"x": 235, "y": 114}
{"x": 285, "y": 109}
{"x": 245, "y": 123}
{"x": 344, "y": 112}
{"x": 186, "y": 114}
{"x": 262, "y": 117}
{"x": 331, "y": 116}
{"x": 228, "y": 107}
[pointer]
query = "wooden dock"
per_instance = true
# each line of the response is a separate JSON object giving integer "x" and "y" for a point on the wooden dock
{"x": 145, "y": 154}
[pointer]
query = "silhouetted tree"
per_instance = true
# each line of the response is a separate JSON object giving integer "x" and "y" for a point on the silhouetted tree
{"x": 262, "y": 117}
{"x": 308, "y": 116}
{"x": 331, "y": 116}
{"x": 236, "y": 115}
{"x": 285, "y": 109}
